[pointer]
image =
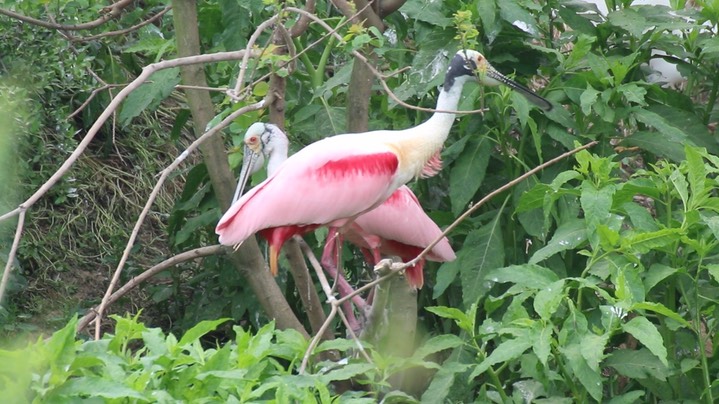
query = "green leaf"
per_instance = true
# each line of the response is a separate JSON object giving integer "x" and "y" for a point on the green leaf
{"x": 506, "y": 351}
{"x": 94, "y": 386}
{"x": 529, "y": 276}
{"x": 633, "y": 93}
{"x": 148, "y": 95}
{"x": 436, "y": 344}
{"x": 446, "y": 274}
{"x": 548, "y": 299}
{"x": 347, "y": 372}
{"x": 202, "y": 328}
{"x": 627, "y": 398}
{"x": 713, "y": 270}
{"x": 645, "y": 242}
{"x": 427, "y": 11}
{"x": 442, "y": 382}
{"x": 514, "y": 14}
{"x": 661, "y": 309}
{"x": 193, "y": 224}
{"x": 639, "y": 364}
{"x": 681, "y": 186}
{"x": 647, "y": 333}
{"x": 463, "y": 320}
{"x": 588, "y": 98}
{"x": 668, "y": 147}
{"x": 542, "y": 341}
{"x": 657, "y": 273}
{"x": 590, "y": 378}
{"x": 468, "y": 172}
{"x": 697, "y": 174}
{"x": 568, "y": 236}
{"x": 483, "y": 250}
{"x": 641, "y": 219}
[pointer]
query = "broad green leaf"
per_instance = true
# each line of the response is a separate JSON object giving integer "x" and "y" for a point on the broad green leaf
{"x": 542, "y": 341}
{"x": 148, "y": 95}
{"x": 202, "y": 328}
{"x": 633, "y": 93}
{"x": 645, "y": 242}
{"x": 681, "y": 186}
{"x": 697, "y": 175}
{"x": 442, "y": 382}
{"x": 533, "y": 199}
{"x": 713, "y": 270}
{"x": 588, "y": 98}
{"x": 427, "y": 11}
{"x": 641, "y": 219}
{"x": 639, "y": 364}
{"x": 657, "y": 273}
{"x": 647, "y": 333}
{"x": 627, "y": 398}
{"x": 548, "y": 299}
{"x": 446, "y": 274}
{"x": 94, "y": 386}
{"x": 661, "y": 145}
{"x": 347, "y": 372}
{"x": 568, "y": 236}
{"x": 583, "y": 44}
{"x": 661, "y": 309}
{"x": 529, "y": 276}
{"x": 483, "y": 250}
{"x": 590, "y": 378}
{"x": 506, "y": 351}
{"x": 630, "y": 20}
{"x": 192, "y": 225}
{"x": 468, "y": 172}
{"x": 339, "y": 344}
{"x": 233, "y": 374}
{"x": 463, "y": 320}
{"x": 487, "y": 11}
{"x": 514, "y": 14}
{"x": 436, "y": 344}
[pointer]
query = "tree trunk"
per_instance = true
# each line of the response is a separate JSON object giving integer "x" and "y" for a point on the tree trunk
{"x": 248, "y": 259}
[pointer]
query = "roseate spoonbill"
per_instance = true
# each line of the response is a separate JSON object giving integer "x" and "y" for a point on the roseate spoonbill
{"x": 398, "y": 226}
{"x": 332, "y": 181}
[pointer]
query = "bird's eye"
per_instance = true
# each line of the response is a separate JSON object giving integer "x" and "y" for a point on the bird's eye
{"x": 253, "y": 139}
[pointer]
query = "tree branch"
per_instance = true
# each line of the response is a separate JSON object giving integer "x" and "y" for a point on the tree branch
{"x": 156, "y": 269}
{"x": 111, "y": 12}
{"x": 126, "y": 30}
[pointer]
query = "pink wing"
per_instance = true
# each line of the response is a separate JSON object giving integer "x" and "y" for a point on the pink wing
{"x": 338, "y": 178}
{"x": 401, "y": 219}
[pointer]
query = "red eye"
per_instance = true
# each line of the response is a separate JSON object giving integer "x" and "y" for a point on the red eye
{"x": 253, "y": 139}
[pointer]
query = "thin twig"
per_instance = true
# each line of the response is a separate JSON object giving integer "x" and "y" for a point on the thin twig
{"x": 111, "y": 12}
{"x": 147, "y": 71}
{"x": 126, "y": 30}
{"x": 316, "y": 338}
{"x": 92, "y": 95}
{"x": 156, "y": 269}
{"x": 155, "y": 191}
{"x": 13, "y": 252}
{"x": 235, "y": 93}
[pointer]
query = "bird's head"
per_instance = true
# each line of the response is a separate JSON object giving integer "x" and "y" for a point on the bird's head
{"x": 261, "y": 141}
{"x": 468, "y": 63}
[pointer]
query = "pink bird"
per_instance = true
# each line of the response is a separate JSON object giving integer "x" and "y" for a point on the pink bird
{"x": 397, "y": 227}
{"x": 334, "y": 180}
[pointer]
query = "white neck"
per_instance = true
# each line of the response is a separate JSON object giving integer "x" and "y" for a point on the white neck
{"x": 448, "y": 100}
{"x": 278, "y": 155}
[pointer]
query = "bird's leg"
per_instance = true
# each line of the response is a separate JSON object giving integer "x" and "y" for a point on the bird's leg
{"x": 329, "y": 264}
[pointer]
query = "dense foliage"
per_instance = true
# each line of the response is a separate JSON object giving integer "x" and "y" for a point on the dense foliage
{"x": 594, "y": 281}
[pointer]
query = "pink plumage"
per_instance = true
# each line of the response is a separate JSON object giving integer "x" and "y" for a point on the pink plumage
{"x": 398, "y": 227}
{"x": 331, "y": 182}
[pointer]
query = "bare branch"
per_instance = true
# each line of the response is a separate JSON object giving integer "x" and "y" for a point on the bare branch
{"x": 126, "y": 30}
{"x": 11, "y": 255}
{"x": 156, "y": 269}
{"x": 110, "y": 109}
{"x": 111, "y": 12}
{"x": 235, "y": 94}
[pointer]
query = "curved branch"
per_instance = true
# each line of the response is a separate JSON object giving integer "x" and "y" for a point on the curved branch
{"x": 303, "y": 22}
{"x": 111, "y": 12}
{"x": 126, "y": 30}
{"x": 11, "y": 255}
{"x": 136, "y": 281}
